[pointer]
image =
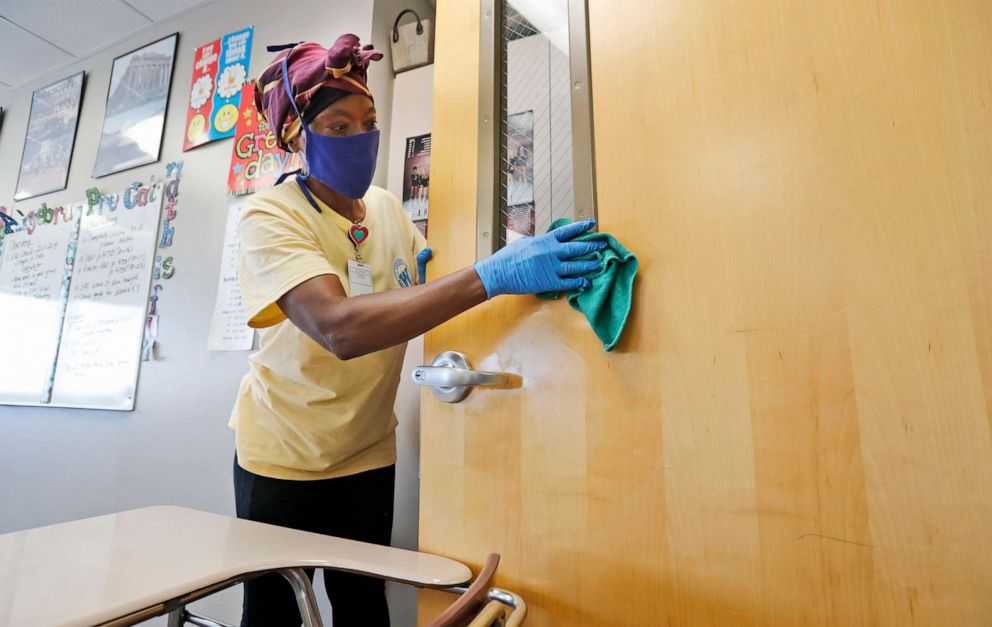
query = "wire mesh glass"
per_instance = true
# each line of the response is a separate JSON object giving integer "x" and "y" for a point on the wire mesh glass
{"x": 534, "y": 105}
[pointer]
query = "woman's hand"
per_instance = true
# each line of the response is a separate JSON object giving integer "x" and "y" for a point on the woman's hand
{"x": 532, "y": 265}
{"x": 422, "y": 258}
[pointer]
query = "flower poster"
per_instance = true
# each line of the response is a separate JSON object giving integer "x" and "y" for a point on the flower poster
{"x": 256, "y": 161}
{"x": 220, "y": 69}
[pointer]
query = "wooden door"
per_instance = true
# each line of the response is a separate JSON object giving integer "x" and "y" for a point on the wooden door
{"x": 796, "y": 427}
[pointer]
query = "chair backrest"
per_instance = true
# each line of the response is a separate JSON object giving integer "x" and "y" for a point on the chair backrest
{"x": 463, "y": 610}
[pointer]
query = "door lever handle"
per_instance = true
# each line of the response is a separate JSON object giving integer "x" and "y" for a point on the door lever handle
{"x": 451, "y": 377}
{"x": 448, "y": 377}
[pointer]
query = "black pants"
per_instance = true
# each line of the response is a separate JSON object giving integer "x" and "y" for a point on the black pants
{"x": 357, "y": 507}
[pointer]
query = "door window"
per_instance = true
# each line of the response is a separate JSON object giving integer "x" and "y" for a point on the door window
{"x": 536, "y": 136}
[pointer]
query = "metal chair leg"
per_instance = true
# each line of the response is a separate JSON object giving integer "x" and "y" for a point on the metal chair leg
{"x": 305, "y": 598}
{"x": 192, "y": 618}
{"x": 177, "y": 617}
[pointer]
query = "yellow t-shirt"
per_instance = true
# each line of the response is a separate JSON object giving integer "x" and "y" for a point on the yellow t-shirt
{"x": 302, "y": 413}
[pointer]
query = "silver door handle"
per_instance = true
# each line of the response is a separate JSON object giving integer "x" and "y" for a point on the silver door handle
{"x": 450, "y": 377}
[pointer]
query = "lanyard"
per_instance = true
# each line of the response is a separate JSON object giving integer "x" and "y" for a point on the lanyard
{"x": 357, "y": 233}
{"x": 306, "y": 192}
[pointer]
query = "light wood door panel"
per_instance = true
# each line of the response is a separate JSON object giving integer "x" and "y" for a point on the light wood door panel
{"x": 796, "y": 428}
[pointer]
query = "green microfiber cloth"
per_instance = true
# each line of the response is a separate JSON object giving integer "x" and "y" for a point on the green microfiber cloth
{"x": 606, "y": 303}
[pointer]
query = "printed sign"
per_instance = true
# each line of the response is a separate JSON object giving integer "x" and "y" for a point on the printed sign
{"x": 256, "y": 161}
{"x": 220, "y": 69}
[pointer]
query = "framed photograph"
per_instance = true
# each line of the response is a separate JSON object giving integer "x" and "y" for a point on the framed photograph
{"x": 416, "y": 177}
{"x": 138, "y": 97}
{"x": 50, "y": 138}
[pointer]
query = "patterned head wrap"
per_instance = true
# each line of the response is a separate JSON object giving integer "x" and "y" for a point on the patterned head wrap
{"x": 343, "y": 66}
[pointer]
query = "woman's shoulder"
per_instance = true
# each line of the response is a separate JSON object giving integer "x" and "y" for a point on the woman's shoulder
{"x": 280, "y": 194}
{"x": 281, "y": 200}
{"x": 388, "y": 206}
{"x": 275, "y": 207}
{"x": 382, "y": 200}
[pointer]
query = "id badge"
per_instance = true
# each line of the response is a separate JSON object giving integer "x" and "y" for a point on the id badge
{"x": 359, "y": 277}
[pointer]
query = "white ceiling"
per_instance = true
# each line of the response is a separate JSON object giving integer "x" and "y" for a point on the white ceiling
{"x": 41, "y": 35}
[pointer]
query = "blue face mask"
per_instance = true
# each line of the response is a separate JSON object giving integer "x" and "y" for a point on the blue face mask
{"x": 345, "y": 164}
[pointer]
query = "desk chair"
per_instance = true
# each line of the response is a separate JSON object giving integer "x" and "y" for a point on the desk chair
{"x": 122, "y": 569}
{"x": 478, "y": 605}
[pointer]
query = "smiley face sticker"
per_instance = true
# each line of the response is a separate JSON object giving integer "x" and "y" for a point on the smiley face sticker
{"x": 220, "y": 69}
{"x": 225, "y": 118}
{"x": 196, "y": 127}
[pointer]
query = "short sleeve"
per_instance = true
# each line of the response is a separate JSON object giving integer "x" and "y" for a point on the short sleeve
{"x": 276, "y": 254}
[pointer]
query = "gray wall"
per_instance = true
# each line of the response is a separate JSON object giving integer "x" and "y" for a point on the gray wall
{"x": 411, "y": 116}
{"x": 405, "y": 106}
{"x": 381, "y": 82}
{"x": 175, "y": 448}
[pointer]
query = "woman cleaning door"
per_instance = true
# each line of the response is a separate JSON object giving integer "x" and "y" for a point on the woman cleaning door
{"x": 329, "y": 273}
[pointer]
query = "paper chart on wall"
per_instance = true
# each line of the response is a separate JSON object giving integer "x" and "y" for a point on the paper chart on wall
{"x": 33, "y": 266}
{"x": 229, "y": 330}
{"x": 99, "y": 352}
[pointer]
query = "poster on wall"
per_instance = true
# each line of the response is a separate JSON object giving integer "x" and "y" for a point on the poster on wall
{"x": 229, "y": 330}
{"x": 220, "y": 69}
{"x": 416, "y": 179}
{"x": 50, "y": 138}
{"x": 256, "y": 161}
{"x": 421, "y": 226}
{"x": 136, "y": 105}
{"x": 520, "y": 158}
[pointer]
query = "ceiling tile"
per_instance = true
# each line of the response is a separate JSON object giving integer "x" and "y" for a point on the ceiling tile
{"x": 70, "y": 24}
{"x": 38, "y": 36}
{"x": 159, "y": 10}
{"x": 23, "y": 56}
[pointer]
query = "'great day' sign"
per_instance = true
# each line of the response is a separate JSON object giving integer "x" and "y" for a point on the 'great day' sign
{"x": 256, "y": 161}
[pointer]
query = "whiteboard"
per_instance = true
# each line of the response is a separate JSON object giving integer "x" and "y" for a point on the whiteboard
{"x": 99, "y": 352}
{"x": 33, "y": 284}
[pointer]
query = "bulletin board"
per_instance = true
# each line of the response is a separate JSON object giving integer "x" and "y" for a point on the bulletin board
{"x": 74, "y": 283}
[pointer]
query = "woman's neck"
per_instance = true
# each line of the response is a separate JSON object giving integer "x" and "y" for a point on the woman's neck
{"x": 352, "y": 209}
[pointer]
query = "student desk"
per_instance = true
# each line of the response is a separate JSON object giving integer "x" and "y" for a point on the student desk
{"x": 128, "y": 567}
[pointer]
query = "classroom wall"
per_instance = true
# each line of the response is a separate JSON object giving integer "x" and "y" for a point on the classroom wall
{"x": 382, "y": 83}
{"x": 63, "y": 464}
{"x": 407, "y": 106}
{"x": 411, "y": 116}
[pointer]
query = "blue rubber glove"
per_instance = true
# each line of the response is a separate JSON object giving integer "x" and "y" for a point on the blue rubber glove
{"x": 532, "y": 265}
{"x": 422, "y": 258}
